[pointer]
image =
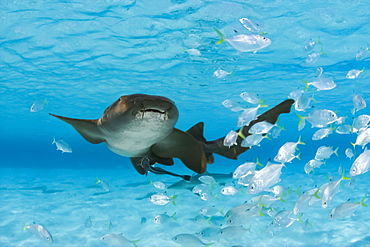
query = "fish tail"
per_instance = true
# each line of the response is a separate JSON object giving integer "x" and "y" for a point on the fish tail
{"x": 260, "y": 212}
{"x": 322, "y": 51}
{"x": 222, "y": 37}
{"x": 98, "y": 181}
{"x": 46, "y": 101}
{"x": 258, "y": 161}
{"x": 216, "y": 196}
{"x": 319, "y": 41}
{"x": 317, "y": 194}
{"x": 353, "y": 144}
{"x": 240, "y": 132}
{"x": 222, "y": 211}
{"x": 306, "y": 84}
{"x": 209, "y": 220}
{"x": 310, "y": 223}
{"x": 313, "y": 97}
{"x": 297, "y": 190}
{"x": 362, "y": 201}
{"x": 134, "y": 242}
{"x": 298, "y": 156}
{"x": 173, "y": 199}
{"x": 300, "y": 142}
{"x": 344, "y": 177}
{"x": 300, "y": 218}
{"x": 301, "y": 119}
{"x": 173, "y": 216}
{"x": 268, "y": 137}
{"x": 289, "y": 191}
{"x": 24, "y": 226}
{"x": 281, "y": 199}
{"x": 336, "y": 151}
{"x": 261, "y": 103}
{"x": 278, "y": 126}
{"x": 241, "y": 190}
{"x": 53, "y": 141}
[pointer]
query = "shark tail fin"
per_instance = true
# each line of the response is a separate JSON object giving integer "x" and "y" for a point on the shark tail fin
{"x": 270, "y": 116}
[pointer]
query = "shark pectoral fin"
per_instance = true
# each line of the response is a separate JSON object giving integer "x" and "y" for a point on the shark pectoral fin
{"x": 88, "y": 129}
{"x": 181, "y": 145}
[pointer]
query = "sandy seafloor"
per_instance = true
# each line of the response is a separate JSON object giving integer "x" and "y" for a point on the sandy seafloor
{"x": 81, "y": 56}
{"x": 62, "y": 199}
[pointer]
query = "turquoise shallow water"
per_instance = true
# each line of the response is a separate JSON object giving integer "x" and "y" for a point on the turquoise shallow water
{"x": 82, "y": 56}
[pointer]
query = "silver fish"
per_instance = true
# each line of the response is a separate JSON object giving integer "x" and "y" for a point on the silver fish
{"x": 40, "y": 232}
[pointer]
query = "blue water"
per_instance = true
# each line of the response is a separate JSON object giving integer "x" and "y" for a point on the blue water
{"x": 81, "y": 56}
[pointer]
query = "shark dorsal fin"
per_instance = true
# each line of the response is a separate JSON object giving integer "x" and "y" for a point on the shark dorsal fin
{"x": 197, "y": 132}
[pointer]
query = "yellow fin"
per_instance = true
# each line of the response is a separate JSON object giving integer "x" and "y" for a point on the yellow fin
{"x": 222, "y": 37}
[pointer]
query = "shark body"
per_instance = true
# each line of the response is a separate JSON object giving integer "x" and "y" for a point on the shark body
{"x": 142, "y": 127}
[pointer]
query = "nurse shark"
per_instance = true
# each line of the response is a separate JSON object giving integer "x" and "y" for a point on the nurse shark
{"x": 142, "y": 127}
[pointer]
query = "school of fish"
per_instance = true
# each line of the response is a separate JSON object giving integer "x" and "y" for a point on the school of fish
{"x": 262, "y": 186}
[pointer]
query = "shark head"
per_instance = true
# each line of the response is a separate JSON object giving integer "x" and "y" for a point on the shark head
{"x": 140, "y": 112}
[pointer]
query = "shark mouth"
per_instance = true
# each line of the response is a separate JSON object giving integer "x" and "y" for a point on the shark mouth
{"x": 153, "y": 110}
{"x": 153, "y": 113}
